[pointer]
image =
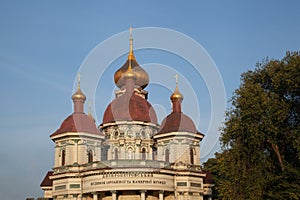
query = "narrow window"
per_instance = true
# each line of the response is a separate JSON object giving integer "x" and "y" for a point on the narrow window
{"x": 116, "y": 154}
{"x": 90, "y": 156}
{"x": 143, "y": 154}
{"x": 167, "y": 155}
{"x": 192, "y": 155}
{"x": 63, "y": 157}
{"x": 154, "y": 153}
{"x": 104, "y": 151}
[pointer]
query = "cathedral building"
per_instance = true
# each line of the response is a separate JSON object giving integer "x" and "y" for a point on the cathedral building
{"x": 129, "y": 155}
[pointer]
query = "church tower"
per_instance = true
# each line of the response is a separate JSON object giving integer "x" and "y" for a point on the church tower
{"x": 178, "y": 140}
{"x": 129, "y": 121}
{"x": 78, "y": 140}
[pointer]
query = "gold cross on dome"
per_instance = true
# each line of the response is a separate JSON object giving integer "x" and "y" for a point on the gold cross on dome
{"x": 176, "y": 79}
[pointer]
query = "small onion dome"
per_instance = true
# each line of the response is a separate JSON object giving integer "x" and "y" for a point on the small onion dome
{"x": 78, "y": 98}
{"x": 78, "y": 95}
{"x": 177, "y": 122}
{"x": 176, "y": 95}
{"x": 142, "y": 78}
{"x": 77, "y": 122}
{"x": 129, "y": 107}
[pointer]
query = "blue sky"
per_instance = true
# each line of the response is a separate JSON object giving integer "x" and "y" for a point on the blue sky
{"x": 43, "y": 44}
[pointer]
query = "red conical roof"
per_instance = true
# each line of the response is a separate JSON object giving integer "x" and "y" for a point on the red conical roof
{"x": 129, "y": 107}
{"x": 77, "y": 122}
{"x": 177, "y": 122}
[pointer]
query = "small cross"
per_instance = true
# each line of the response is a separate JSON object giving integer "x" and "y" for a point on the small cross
{"x": 176, "y": 78}
{"x": 130, "y": 31}
{"x": 78, "y": 80}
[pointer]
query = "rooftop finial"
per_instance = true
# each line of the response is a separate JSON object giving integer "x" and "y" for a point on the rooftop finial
{"x": 90, "y": 112}
{"x": 176, "y": 79}
{"x": 130, "y": 39}
{"x": 176, "y": 94}
{"x": 78, "y": 81}
{"x": 130, "y": 55}
{"x": 78, "y": 97}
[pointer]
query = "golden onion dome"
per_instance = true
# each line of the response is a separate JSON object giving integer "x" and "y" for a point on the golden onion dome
{"x": 141, "y": 76}
{"x": 129, "y": 74}
{"x": 176, "y": 94}
{"x": 78, "y": 95}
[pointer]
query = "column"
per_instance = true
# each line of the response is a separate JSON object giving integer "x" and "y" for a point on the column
{"x": 75, "y": 196}
{"x": 180, "y": 196}
{"x": 114, "y": 194}
{"x": 143, "y": 195}
{"x": 95, "y": 196}
{"x": 186, "y": 196}
{"x": 161, "y": 195}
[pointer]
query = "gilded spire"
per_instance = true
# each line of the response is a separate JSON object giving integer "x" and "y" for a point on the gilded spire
{"x": 130, "y": 55}
{"x": 176, "y": 94}
{"x": 78, "y": 94}
{"x": 129, "y": 72}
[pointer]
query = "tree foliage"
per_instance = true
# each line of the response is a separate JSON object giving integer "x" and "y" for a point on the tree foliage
{"x": 260, "y": 140}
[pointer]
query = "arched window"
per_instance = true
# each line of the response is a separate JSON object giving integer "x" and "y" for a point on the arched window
{"x": 130, "y": 153}
{"x": 192, "y": 156}
{"x": 116, "y": 134}
{"x": 143, "y": 154}
{"x": 90, "y": 156}
{"x": 116, "y": 154}
{"x": 63, "y": 157}
{"x": 167, "y": 155}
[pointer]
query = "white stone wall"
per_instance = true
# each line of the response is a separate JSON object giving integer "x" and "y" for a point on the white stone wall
{"x": 179, "y": 148}
{"x": 130, "y": 138}
{"x": 76, "y": 149}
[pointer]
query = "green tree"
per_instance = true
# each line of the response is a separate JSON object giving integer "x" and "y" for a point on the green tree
{"x": 260, "y": 156}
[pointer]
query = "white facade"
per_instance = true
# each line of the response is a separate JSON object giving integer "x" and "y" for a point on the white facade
{"x": 126, "y": 159}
